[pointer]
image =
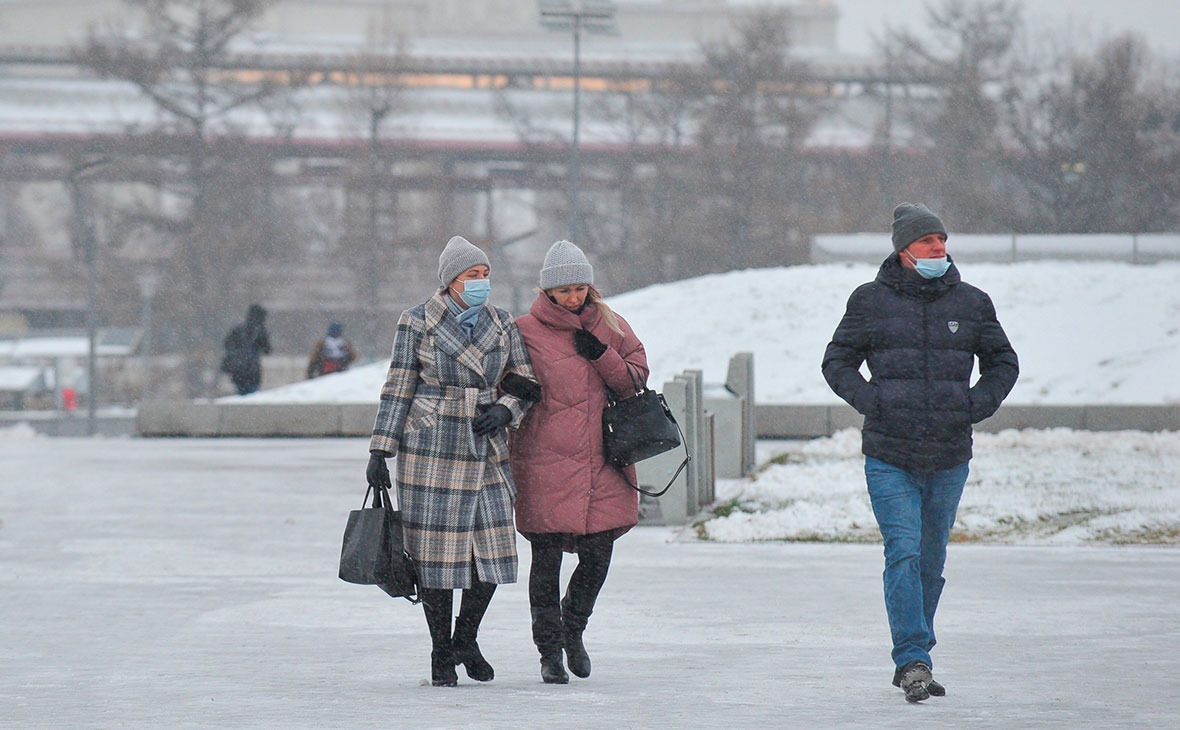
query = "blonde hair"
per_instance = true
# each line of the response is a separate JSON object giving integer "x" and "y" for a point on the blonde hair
{"x": 608, "y": 314}
{"x": 594, "y": 298}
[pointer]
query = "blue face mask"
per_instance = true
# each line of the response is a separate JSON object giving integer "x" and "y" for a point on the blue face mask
{"x": 475, "y": 292}
{"x": 931, "y": 268}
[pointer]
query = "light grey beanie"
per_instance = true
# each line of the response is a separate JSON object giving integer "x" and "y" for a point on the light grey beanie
{"x": 459, "y": 256}
{"x": 565, "y": 264}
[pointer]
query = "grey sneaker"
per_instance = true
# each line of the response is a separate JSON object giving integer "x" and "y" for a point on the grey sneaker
{"x": 915, "y": 681}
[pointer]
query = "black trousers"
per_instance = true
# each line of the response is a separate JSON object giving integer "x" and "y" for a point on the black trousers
{"x": 594, "y": 555}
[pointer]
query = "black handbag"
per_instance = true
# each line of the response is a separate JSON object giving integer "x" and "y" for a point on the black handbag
{"x": 638, "y": 428}
{"x": 373, "y": 552}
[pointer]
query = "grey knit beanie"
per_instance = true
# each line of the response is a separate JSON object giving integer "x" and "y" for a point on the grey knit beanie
{"x": 911, "y": 222}
{"x": 565, "y": 264}
{"x": 459, "y": 256}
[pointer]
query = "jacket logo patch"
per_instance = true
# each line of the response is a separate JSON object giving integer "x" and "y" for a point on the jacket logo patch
{"x": 952, "y": 325}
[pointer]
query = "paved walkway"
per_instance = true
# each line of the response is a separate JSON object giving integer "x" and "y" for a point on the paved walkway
{"x": 191, "y": 584}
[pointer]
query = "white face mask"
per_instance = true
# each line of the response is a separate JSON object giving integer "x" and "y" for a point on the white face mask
{"x": 930, "y": 268}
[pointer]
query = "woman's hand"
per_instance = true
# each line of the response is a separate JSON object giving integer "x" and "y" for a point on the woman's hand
{"x": 587, "y": 345}
{"x": 377, "y": 472}
{"x": 491, "y": 419}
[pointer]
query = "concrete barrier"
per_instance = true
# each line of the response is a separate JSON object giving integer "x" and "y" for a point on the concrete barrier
{"x": 812, "y": 421}
{"x": 186, "y": 418}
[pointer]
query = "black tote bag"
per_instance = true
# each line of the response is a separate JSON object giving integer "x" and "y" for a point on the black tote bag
{"x": 373, "y": 552}
{"x": 638, "y": 428}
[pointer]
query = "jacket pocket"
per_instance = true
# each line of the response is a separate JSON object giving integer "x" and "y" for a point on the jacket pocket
{"x": 423, "y": 413}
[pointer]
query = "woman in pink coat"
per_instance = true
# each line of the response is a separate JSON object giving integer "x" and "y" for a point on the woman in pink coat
{"x": 568, "y": 497}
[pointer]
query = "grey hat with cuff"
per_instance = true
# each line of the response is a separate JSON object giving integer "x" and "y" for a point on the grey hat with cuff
{"x": 459, "y": 256}
{"x": 911, "y": 222}
{"x": 565, "y": 265}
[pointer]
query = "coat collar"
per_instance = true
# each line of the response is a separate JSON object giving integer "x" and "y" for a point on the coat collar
{"x": 550, "y": 314}
{"x": 451, "y": 339}
{"x": 910, "y": 283}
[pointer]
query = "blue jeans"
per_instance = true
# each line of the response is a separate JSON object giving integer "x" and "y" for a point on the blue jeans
{"x": 915, "y": 512}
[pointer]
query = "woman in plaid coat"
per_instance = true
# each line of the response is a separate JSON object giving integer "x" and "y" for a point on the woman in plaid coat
{"x": 459, "y": 375}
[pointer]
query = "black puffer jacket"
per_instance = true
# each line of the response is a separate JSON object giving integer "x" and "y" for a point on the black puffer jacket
{"x": 920, "y": 338}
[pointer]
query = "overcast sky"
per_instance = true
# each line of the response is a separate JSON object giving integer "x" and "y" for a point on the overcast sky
{"x": 1157, "y": 20}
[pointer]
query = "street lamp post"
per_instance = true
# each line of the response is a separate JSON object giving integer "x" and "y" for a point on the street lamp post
{"x": 575, "y": 16}
{"x": 78, "y": 173}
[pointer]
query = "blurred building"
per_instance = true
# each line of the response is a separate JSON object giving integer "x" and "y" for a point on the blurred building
{"x": 474, "y": 141}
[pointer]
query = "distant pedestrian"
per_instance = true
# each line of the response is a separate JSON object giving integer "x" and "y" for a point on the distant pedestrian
{"x": 459, "y": 377}
{"x": 570, "y": 498}
{"x": 920, "y": 328}
{"x": 244, "y": 347}
{"x": 332, "y": 354}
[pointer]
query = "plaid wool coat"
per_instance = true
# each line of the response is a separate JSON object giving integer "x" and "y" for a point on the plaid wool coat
{"x": 454, "y": 488}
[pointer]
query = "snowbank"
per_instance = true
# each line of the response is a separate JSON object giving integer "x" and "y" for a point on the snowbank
{"x": 1086, "y": 333}
{"x": 1057, "y": 487}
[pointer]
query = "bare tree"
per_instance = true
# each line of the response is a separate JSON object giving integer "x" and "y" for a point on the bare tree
{"x": 376, "y": 95}
{"x": 1099, "y": 141}
{"x": 956, "y": 66}
{"x": 175, "y": 52}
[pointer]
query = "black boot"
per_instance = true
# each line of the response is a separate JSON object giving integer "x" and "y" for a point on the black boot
{"x": 572, "y": 626}
{"x": 594, "y": 555}
{"x": 547, "y": 637}
{"x": 437, "y": 604}
{"x": 466, "y": 650}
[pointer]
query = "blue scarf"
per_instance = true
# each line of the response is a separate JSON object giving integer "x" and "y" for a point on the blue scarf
{"x": 467, "y": 317}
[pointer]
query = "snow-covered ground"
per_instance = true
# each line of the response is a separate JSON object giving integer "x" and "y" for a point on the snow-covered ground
{"x": 191, "y": 583}
{"x": 1086, "y": 333}
{"x": 1053, "y": 487}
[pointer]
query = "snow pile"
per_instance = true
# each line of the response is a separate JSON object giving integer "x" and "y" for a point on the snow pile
{"x": 1086, "y": 333}
{"x": 1057, "y": 487}
{"x": 19, "y": 432}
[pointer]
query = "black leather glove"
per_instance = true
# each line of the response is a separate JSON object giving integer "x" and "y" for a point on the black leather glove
{"x": 377, "y": 472}
{"x": 491, "y": 419}
{"x": 587, "y": 345}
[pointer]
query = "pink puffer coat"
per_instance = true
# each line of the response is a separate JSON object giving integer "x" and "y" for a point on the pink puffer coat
{"x": 563, "y": 481}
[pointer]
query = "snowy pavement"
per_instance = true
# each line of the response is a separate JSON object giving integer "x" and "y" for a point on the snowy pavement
{"x": 192, "y": 584}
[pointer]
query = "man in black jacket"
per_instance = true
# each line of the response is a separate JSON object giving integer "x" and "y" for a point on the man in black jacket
{"x": 920, "y": 328}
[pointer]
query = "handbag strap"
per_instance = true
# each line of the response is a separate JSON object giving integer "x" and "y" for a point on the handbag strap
{"x": 687, "y": 458}
{"x": 381, "y": 498}
{"x": 635, "y": 384}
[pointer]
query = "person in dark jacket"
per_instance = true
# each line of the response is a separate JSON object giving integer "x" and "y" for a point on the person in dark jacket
{"x": 920, "y": 328}
{"x": 244, "y": 347}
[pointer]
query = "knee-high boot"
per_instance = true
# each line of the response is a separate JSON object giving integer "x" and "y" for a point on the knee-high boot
{"x": 466, "y": 650}
{"x": 547, "y": 637}
{"x": 437, "y": 604}
{"x": 544, "y": 589}
{"x": 594, "y": 554}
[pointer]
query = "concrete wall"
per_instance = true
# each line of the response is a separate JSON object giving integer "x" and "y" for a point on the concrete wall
{"x": 1136, "y": 248}
{"x": 783, "y": 421}
{"x": 172, "y": 418}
